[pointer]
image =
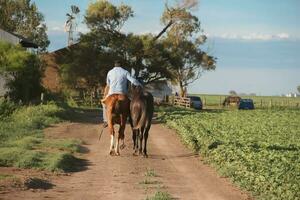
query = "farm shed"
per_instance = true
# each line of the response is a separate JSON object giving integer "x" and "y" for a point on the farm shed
{"x": 14, "y": 39}
{"x": 160, "y": 90}
{"x": 51, "y": 79}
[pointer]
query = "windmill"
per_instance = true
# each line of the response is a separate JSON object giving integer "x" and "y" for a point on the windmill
{"x": 70, "y": 24}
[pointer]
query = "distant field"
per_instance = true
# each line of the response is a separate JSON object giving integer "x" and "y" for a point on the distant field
{"x": 259, "y": 101}
{"x": 258, "y": 149}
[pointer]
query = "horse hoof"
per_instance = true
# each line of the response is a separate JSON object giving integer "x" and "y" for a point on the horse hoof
{"x": 117, "y": 153}
{"x": 145, "y": 155}
{"x": 112, "y": 153}
{"x": 122, "y": 146}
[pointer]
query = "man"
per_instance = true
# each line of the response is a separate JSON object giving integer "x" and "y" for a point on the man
{"x": 116, "y": 83}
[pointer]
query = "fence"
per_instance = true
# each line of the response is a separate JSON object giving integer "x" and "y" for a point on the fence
{"x": 259, "y": 102}
{"x": 182, "y": 101}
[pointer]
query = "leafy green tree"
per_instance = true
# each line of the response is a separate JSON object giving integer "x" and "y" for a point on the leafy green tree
{"x": 87, "y": 63}
{"x": 232, "y": 92}
{"x": 23, "y": 17}
{"x": 104, "y": 16}
{"x": 183, "y": 43}
{"x": 147, "y": 57}
{"x": 22, "y": 71}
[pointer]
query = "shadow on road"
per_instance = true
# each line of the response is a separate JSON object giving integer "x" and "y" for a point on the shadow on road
{"x": 83, "y": 115}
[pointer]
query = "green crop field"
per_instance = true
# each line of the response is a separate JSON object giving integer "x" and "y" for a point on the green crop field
{"x": 259, "y": 101}
{"x": 259, "y": 149}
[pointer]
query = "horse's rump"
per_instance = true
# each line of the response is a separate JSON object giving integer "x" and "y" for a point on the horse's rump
{"x": 117, "y": 104}
{"x": 141, "y": 110}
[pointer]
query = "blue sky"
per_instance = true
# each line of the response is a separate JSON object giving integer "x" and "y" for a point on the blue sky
{"x": 257, "y": 42}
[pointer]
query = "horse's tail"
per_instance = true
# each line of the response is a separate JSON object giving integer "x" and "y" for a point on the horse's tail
{"x": 142, "y": 119}
{"x": 118, "y": 106}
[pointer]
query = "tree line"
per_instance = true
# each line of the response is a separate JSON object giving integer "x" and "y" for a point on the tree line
{"x": 176, "y": 56}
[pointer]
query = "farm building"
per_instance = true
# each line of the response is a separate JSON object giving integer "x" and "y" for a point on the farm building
{"x": 51, "y": 79}
{"x": 160, "y": 90}
{"x": 14, "y": 39}
{"x": 292, "y": 95}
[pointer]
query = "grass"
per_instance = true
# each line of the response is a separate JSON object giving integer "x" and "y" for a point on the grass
{"x": 150, "y": 173}
{"x": 160, "y": 195}
{"x": 23, "y": 145}
{"x": 259, "y": 149}
{"x": 5, "y": 176}
{"x": 149, "y": 182}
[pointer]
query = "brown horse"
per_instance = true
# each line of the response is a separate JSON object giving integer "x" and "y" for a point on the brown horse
{"x": 141, "y": 109}
{"x": 117, "y": 111}
{"x": 231, "y": 100}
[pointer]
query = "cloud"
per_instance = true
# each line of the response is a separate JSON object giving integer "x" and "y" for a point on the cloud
{"x": 55, "y": 28}
{"x": 253, "y": 36}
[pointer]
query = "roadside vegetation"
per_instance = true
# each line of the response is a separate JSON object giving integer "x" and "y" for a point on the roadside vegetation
{"x": 259, "y": 150}
{"x": 22, "y": 143}
{"x": 160, "y": 196}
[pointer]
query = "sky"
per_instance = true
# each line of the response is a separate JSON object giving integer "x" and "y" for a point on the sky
{"x": 257, "y": 43}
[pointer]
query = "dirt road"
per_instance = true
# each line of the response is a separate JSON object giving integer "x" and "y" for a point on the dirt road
{"x": 170, "y": 167}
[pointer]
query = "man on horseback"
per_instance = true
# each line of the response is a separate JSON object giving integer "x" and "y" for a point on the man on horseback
{"x": 116, "y": 83}
{"x": 116, "y": 104}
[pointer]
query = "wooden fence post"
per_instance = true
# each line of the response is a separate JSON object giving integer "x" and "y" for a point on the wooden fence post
{"x": 42, "y": 98}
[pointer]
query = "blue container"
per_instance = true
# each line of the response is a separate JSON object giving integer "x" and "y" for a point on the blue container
{"x": 246, "y": 104}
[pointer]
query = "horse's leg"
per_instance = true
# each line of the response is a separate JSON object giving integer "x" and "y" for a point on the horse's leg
{"x": 136, "y": 146}
{"x": 145, "y": 140}
{"x": 121, "y": 134}
{"x": 111, "y": 131}
{"x": 117, "y": 149}
{"x": 123, "y": 122}
{"x": 141, "y": 140}
{"x": 133, "y": 138}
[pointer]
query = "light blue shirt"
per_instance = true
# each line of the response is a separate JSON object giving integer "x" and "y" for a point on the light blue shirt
{"x": 117, "y": 81}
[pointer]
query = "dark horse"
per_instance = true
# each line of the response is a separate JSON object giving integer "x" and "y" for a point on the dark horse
{"x": 141, "y": 110}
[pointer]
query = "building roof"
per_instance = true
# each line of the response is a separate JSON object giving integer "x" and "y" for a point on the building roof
{"x": 16, "y": 39}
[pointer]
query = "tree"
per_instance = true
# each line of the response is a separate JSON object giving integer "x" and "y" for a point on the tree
{"x": 147, "y": 57}
{"x": 22, "y": 17}
{"x": 104, "y": 43}
{"x": 22, "y": 71}
{"x": 298, "y": 88}
{"x": 105, "y": 17}
{"x": 183, "y": 43}
{"x": 232, "y": 92}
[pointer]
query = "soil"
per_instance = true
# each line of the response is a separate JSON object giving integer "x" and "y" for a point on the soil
{"x": 170, "y": 167}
